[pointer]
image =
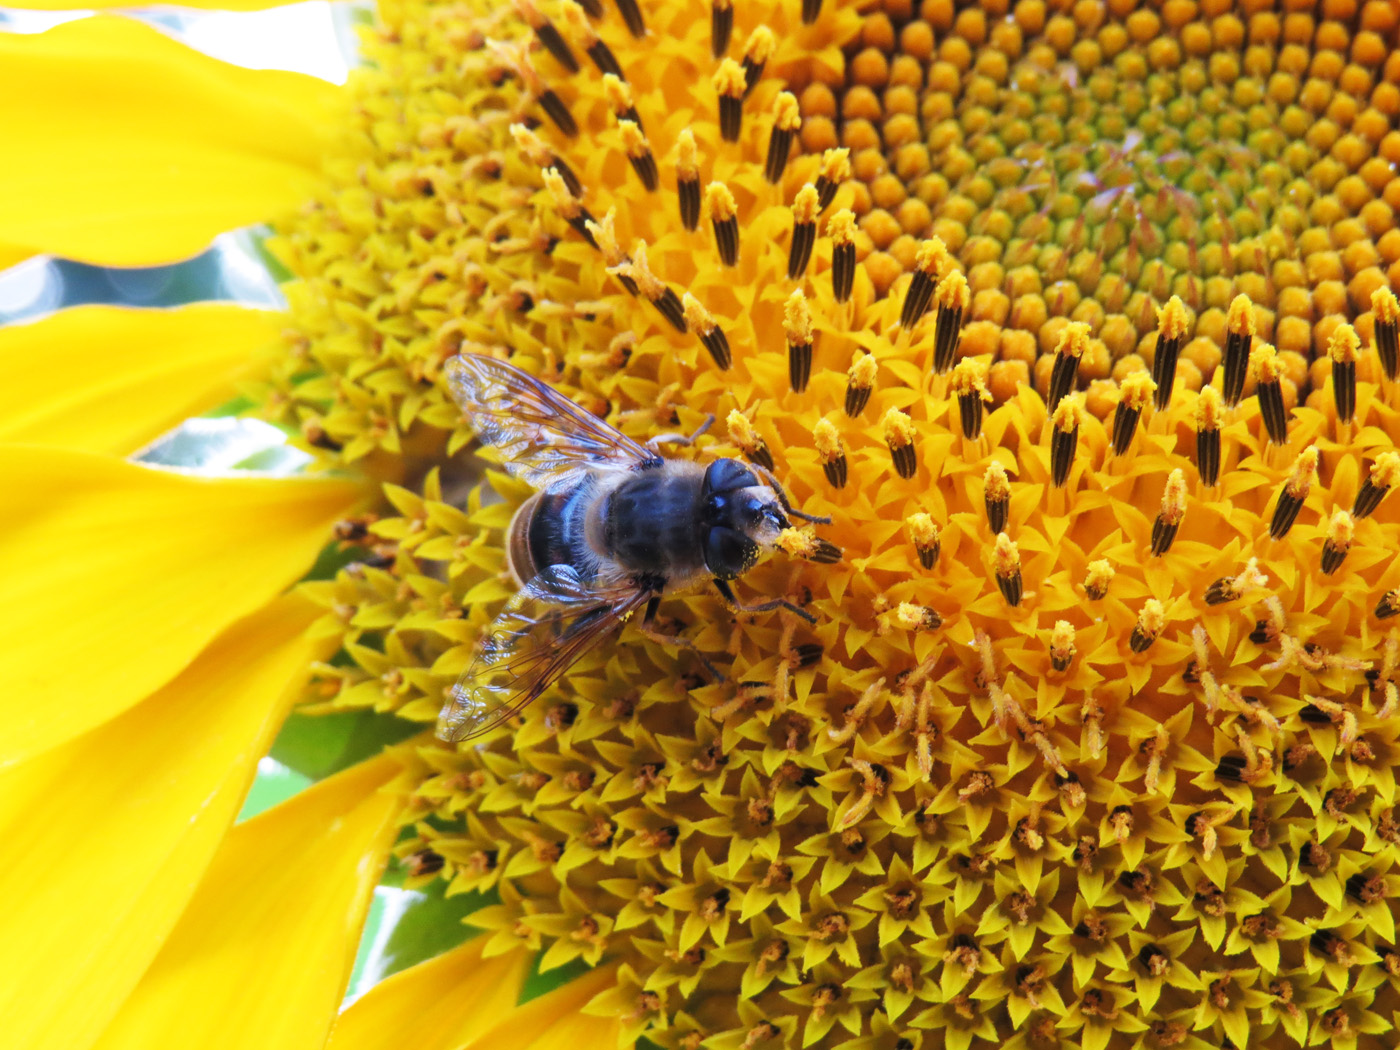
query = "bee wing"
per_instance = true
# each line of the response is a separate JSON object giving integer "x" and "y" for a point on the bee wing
{"x": 553, "y": 621}
{"x": 542, "y": 435}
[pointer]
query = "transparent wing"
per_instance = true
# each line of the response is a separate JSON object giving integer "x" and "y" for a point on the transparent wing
{"x": 542, "y": 435}
{"x": 553, "y": 621}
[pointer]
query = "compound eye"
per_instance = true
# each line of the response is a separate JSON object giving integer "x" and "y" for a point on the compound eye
{"x": 726, "y": 475}
{"x": 728, "y": 552}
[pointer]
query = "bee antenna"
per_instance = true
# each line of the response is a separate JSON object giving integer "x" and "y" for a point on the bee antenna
{"x": 815, "y": 519}
{"x": 777, "y": 486}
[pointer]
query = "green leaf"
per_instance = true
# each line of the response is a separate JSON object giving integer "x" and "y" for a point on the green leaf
{"x": 409, "y": 926}
{"x": 538, "y": 984}
{"x": 318, "y": 745}
{"x": 274, "y": 783}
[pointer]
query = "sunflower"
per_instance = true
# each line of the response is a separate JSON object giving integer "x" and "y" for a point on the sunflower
{"x": 1078, "y": 319}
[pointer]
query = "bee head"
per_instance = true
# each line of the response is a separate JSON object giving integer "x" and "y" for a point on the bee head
{"x": 740, "y": 516}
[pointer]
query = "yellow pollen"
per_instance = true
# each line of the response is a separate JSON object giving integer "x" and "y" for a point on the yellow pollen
{"x": 796, "y": 543}
{"x": 933, "y": 258}
{"x": 995, "y": 483}
{"x": 761, "y": 43}
{"x": 1240, "y": 319}
{"x": 697, "y": 318}
{"x": 1069, "y": 413}
{"x": 1062, "y": 637}
{"x": 1385, "y": 306}
{"x": 1074, "y": 340}
{"x": 1264, "y": 362}
{"x": 1006, "y": 557}
{"x": 912, "y": 617}
{"x": 1344, "y": 345}
{"x": 604, "y": 232}
{"x": 1152, "y": 618}
{"x": 530, "y": 144}
{"x": 806, "y": 205}
{"x": 1341, "y": 530}
{"x": 828, "y": 440}
{"x": 1385, "y": 471}
{"x": 797, "y": 319}
{"x": 1098, "y": 575}
{"x": 841, "y": 226}
{"x": 1174, "y": 499}
{"x": 786, "y": 116}
{"x": 1136, "y": 391}
{"x": 742, "y": 431}
{"x": 618, "y": 94}
{"x": 722, "y": 5}
{"x": 633, "y": 141}
{"x": 1209, "y": 406}
{"x": 953, "y": 292}
{"x": 861, "y": 374}
{"x": 648, "y": 283}
{"x": 729, "y": 80}
{"x": 564, "y": 201}
{"x": 836, "y": 165}
{"x": 922, "y": 531}
{"x": 687, "y": 157}
{"x": 970, "y": 377}
{"x": 1172, "y": 320}
{"x": 1303, "y": 474}
{"x": 898, "y": 429}
{"x": 719, "y": 202}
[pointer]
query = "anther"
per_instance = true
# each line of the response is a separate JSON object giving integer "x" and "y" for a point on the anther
{"x": 1389, "y": 605}
{"x": 1294, "y": 491}
{"x": 703, "y": 324}
{"x": 688, "y": 179}
{"x": 804, "y": 231}
{"x": 551, "y": 103}
{"x": 653, "y": 288}
{"x": 786, "y": 122}
{"x": 1172, "y": 323}
{"x": 619, "y": 96}
{"x": 639, "y": 153}
{"x": 931, "y": 262}
{"x": 1006, "y": 565}
{"x": 1343, "y": 348}
{"x": 1064, "y": 437}
{"x": 1170, "y": 516}
{"x": 1074, "y": 340}
{"x": 996, "y": 496}
{"x": 1230, "y": 588}
{"x": 1208, "y": 436}
{"x": 568, "y": 206}
{"x": 757, "y": 51}
{"x": 912, "y": 617}
{"x": 547, "y": 34}
{"x": 742, "y": 433}
{"x": 603, "y": 234}
{"x": 1268, "y": 373}
{"x": 721, "y": 25}
{"x": 1239, "y": 334}
{"x": 594, "y": 47}
{"x": 831, "y": 452}
{"x": 860, "y": 380}
{"x": 719, "y": 202}
{"x": 534, "y": 148}
{"x": 729, "y": 85}
{"x": 810, "y": 10}
{"x": 1134, "y": 393}
{"x": 1386, "y": 309}
{"x": 1340, "y": 532}
{"x": 899, "y": 436}
{"x": 797, "y": 325}
{"x": 1062, "y": 645}
{"x": 1385, "y": 471}
{"x": 841, "y": 228}
{"x": 1097, "y": 576}
{"x": 556, "y": 111}
{"x": 969, "y": 385}
{"x": 835, "y": 169}
{"x": 952, "y": 297}
{"x": 1149, "y": 625}
{"x": 632, "y": 15}
{"x": 924, "y": 535}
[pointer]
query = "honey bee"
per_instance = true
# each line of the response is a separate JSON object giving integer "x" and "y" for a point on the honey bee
{"x": 614, "y": 527}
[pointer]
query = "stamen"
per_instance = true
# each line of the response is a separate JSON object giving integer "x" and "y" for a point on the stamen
{"x": 639, "y": 153}
{"x": 996, "y": 496}
{"x": 804, "y": 231}
{"x": 759, "y": 49}
{"x": 619, "y": 96}
{"x": 1341, "y": 530}
{"x": 841, "y": 228}
{"x": 835, "y": 169}
{"x": 899, "y": 435}
{"x": 1294, "y": 491}
{"x": 786, "y": 122}
{"x": 1172, "y": 322}
{"x": 1097, "y": 576}
{"x": 1264, "y": 360}
{"x": 1232, "y": 588}
{"x": 1239, "y": 334}
{"x": 931, "y": 262}
{"x": 656, "y": 291}
{"x": 702, "y": 323}
{"x": 719, "y": 202}
{"x": 729, "y": 85}
{"x": 1134, "y": 393}
{"x": 831, "y": 452}
{"x": 860, "y": 380}
{"x": 953, "y": 297}
{"x": 1074, "y": 340}
{"x": 1386, "y": 309}
{"x": 969, "y": 385}
{"x": 797, "y": 325}
{"x": 1062, "y": 645}
{"x": 604, "y": 235}
{"x": 1149, "y": 625}
{"x": 688, "y": 179}
{"x": 547, "y": 34}
{"x": 1006, "y": 564}
{"x": 632, "y": 15}
{"x": 569, "y": 208}
{"x": 1385, "y": 471}
{"x": 1170, "y": 516}
{"x": 1343, "y": 348}
{"x": 1064, "y": 437}
{"x": 552, "y": 104}
{"x": 910, "y": 617}
{"x": 924, "y": 534}
{"x": 810, "y": 10}
{"x": 1389, "y": 605}
{"x": 721, "y": 25}
{"x": 594, "y": 47}
{"x": 742, "y": 433}
{"x": 1208, "y": 436}
{"x": 533, "y": 147}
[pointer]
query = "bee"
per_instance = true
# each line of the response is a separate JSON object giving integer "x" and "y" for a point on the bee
{"x": 613, "y": 528}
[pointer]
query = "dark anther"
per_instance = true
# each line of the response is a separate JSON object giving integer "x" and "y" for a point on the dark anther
{"x": 1231, "y": 768}
{"x": 800, "y": 371}
{"x": 1285, "y": 513}
{"x": 1062, "y": 447}
{"x": 554, "y": 43}
{"x": 669, "y": 305}
{"x": 1171, "y": 334}
{"x": 1388, "y": 606}
{"x": 1163, "y": 534}
{"x": 1125, "y": 421}
{"x": 1272, "y": 409}
{"x": 917, "y": 298}
{"x": 632, "y": 15}
{"x": 1239, "y": 336}
{"x": 721, "y": 26}
{"x": 1010, "y": 587}
{"x": 836, "y": 471}
{"x": 567, "y": 174}
{"x": 604, "y": 59}
{"x": 905, "y": 460}
{"x": 804, "y": 235}
{"x": 1315, "y": 715}
{"x": 856, "y": 399}
{"x": 558, "y": 112}
{"x": 761, "y": 455}
{"x": 688, "y": 195}
{"x": 717, "y": 343}
{"x": 727, "y": 239}
{"x": 810, "y": 10}
{"x": 808, "y": 654}
{"x": 998, "y": 511}
{"x": 843, "y": 270}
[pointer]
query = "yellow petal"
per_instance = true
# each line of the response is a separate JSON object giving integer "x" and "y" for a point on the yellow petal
{"x": 109, "y": 379}
{"x": 260, "y": 957}
{"x": 125, "y": 819}
{"x": 554, "y": 1021}
{"x": 441, "y": 1001}
{"x": 114, "y": 576}
{"x": 104, "y": 5}
{"x": 126, "y": 148}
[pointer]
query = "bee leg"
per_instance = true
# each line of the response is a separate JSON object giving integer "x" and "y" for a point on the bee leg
{"x": 648, "y": 628}
{"x": 727, "y": 593}
{"x": 777, "y": 486}
{"x": 682, "y": 439}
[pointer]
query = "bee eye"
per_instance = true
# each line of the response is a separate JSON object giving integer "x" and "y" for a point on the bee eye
{"x": 728, "y": 552}
{"x": 726, "y": 475}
